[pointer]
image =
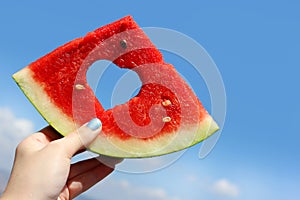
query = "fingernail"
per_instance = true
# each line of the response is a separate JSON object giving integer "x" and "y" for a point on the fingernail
{"x": 94, "y": 124}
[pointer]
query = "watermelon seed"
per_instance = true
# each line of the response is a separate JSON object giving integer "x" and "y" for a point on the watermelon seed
{"x": 166, "y": 119}
{"x": 166, "y": 102}
{"x": 79, "y": 87}
{"x": 134, "y": 64}
{"x": 123, "y": 44}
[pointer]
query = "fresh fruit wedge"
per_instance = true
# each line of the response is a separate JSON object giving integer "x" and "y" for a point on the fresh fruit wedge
{"x": 164, "y": 117}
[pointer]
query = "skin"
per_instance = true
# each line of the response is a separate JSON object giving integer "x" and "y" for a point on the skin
{"x": 43, "y": 171}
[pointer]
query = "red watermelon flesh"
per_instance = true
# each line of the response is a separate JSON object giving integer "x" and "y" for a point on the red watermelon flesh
{"x": 165, "y": 116}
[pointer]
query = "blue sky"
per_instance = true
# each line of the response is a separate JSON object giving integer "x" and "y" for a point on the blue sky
{"x": 256, "y": 47}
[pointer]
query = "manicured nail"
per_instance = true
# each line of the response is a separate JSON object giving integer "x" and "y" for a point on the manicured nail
{"x": 94, "y": 124}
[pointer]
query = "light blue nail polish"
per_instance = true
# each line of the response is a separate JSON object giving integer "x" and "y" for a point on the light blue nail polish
{"x": 94, "y": 124}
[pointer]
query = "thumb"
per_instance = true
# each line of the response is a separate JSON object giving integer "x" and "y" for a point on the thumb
{"x": 82, "y": 137}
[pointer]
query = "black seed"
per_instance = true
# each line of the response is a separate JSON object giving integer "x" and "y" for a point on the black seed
{"x": 123, "y": 44}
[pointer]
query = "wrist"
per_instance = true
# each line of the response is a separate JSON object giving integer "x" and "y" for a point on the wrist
{"x": 15, "y": 195}
{"x": 9, "y": 196}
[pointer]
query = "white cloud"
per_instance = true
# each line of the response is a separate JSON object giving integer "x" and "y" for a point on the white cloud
{"x": 16, "y": 127}
{"x": 112, "y": 189}
{"x": 191, "y": 178}
{"x": 12, "y": 131}
{"x": 225, "y": 188}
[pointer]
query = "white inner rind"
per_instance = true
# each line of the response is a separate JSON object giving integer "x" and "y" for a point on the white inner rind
{"x": 41, "y": 101}
{"x": 166, "y": 143}
{"x": 184, "y": 137}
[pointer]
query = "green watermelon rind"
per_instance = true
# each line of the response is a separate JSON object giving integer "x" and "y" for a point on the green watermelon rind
{"x": 180, "y": 140}
{"x": 131, "y": 148}
{"x": 36, "y": 95}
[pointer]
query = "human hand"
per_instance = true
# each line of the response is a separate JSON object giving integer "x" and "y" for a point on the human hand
{"x": 43, "y": 171}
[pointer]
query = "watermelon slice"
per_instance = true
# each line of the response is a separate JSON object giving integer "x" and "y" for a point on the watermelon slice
{"x": 164, "y": 117}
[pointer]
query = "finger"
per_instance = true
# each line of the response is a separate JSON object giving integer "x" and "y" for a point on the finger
{"x": 109, "y": 161}
{"x": 86, "y": 165}
{"x": 82, "y": 166}
{"x": 40, "y": 139}
{"x": 80, "y": 151}
{"x": 81, "y": 138}
{"x": 84, "y": 181}
{"x": 50, "y": 133}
